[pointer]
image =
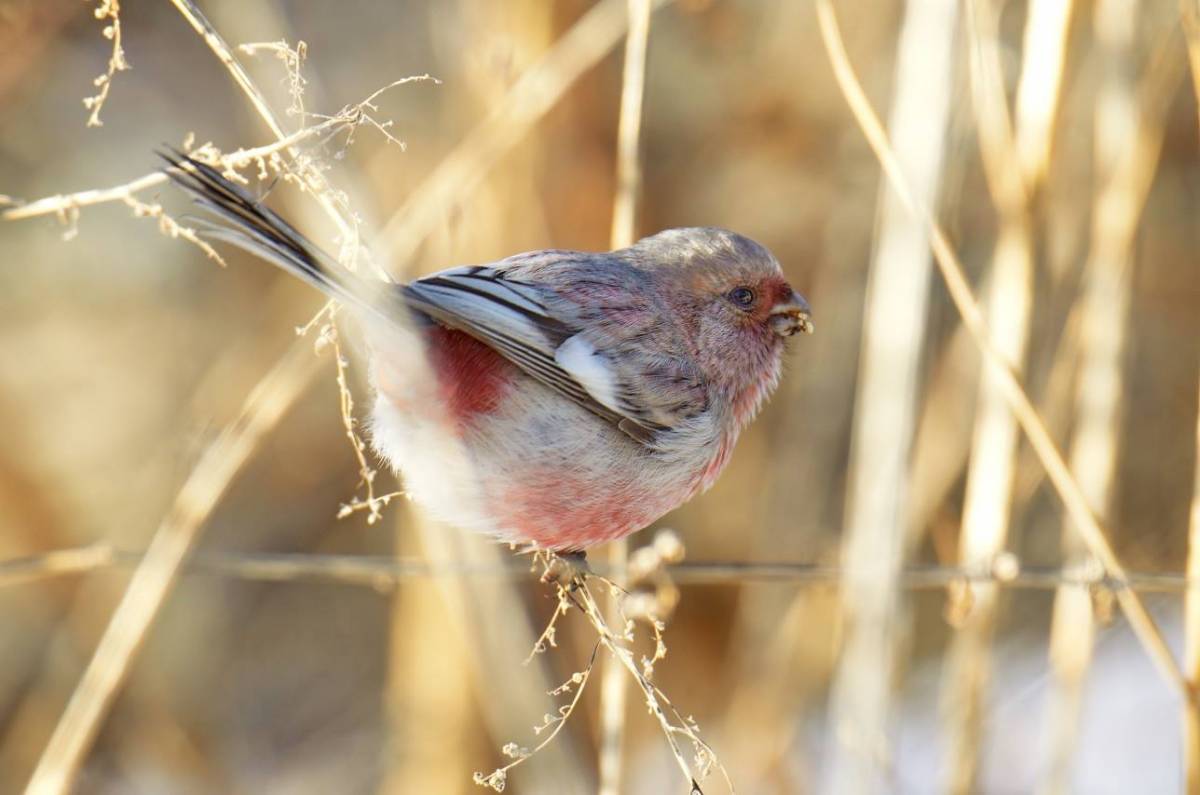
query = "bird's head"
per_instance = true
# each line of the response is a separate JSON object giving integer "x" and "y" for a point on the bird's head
{"x": 738, "y": 308}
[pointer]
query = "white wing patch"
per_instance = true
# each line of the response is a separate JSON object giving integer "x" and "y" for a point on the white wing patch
{"x": 581, "y": 360}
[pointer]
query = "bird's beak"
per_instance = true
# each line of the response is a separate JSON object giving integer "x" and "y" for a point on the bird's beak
{"x": 791, "y": 315}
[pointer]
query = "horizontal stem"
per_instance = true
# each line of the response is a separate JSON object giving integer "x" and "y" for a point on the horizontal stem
{"x": 384, "y": 573}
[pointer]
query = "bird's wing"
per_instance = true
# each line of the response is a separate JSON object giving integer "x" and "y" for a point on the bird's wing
{"x": 599, "y": 365}
{"x": 589, "y": 348}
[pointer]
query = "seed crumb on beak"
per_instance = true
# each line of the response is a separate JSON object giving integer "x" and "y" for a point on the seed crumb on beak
{"x": 791, "y": 316}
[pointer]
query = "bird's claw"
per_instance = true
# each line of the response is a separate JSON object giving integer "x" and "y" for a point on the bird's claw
{"x": 568, "y": 569}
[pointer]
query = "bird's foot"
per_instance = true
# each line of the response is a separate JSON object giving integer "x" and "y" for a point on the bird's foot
{"x": 568, "y": 569}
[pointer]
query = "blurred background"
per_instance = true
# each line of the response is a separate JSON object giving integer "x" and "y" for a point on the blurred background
{"x": 1057, "y": 142}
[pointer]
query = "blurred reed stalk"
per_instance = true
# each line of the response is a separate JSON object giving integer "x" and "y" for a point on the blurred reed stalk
{"x": 1191, "y": 21}
{"x": 1191, "y": 734}
{"x": 531, "y": 96}
{"x": 152, "y": 581}
{"x": 1190, "y": 13}
{"x": 1159, "y": 88}
{"x": 877, "y": 535}
{"x": 1128, "y": 130}
{"x": 613, "y": 688}
{"x": 1044, "y": 49}
{"x": 1011, "y": 173}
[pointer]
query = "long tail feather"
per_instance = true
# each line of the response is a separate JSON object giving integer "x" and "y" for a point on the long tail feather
{"x": 240, "y": 220}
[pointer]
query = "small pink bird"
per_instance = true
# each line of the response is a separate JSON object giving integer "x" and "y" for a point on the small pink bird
{"x": 579, "y": 396}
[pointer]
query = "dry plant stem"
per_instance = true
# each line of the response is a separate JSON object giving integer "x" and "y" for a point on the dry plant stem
{"x": 498, "y": 778}
{"x": 154, "y": 576}
{"x": 240, "y": 158}
{"x": 873, "y": 612}
{"x": 94, "y": 557}
{"x": 1031, "y": 423}
{"x": 107, "y": 10}
{"x": 1191, "y": 603}
{"x": 576, "y": 592}
{"x": 612, "y": 681}
{"x": 371, "y": 503}
{"x": 1104, "y": 321}
{"x": 991, "y": 471}
{"x": 383, "y": 573}
{"x": 320, "y": 189}
{"x": 292, "y": 59}
{"x": 492, "y": 623}
{"x": 656, "y": 700}
{"x": 1190, "y": 13}
{"x": 612, "y": 688}
{"x": 534, "y": 93}
{"x": 629, "y": 126}
{"x": 1044, "y": 53}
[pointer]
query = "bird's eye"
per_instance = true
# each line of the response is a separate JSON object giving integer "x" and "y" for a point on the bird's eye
{"x": 742, "y": 296}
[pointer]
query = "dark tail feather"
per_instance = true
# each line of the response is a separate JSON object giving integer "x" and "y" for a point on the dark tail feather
{"x": 245, "y": 223}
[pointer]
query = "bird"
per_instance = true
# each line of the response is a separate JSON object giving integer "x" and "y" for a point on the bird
{"x": 576, "y": 397}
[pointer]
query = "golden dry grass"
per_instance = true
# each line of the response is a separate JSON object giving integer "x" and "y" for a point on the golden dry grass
{"x": 882, "y": 548}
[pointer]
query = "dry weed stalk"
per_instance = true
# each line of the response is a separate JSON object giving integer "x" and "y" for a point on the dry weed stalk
{"x": 1190, "y": 14}
{"x": 619, "y": 637}
{"x": 1014, "y": 164}
{"x": 268, "y": 161}
{"x": 109, "y": 10}
{"x": 1191, "y": 734}
{"x": 293, "y": 60}
{"x": 1065, "y": 485}
{"x": 1104, "y": 307}
{"x": 372, "y": 503}
{"x": 877, "y": 530}
{"x": 1191, "y": 719}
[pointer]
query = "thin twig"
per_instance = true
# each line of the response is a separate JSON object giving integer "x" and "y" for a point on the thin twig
{"x": 498, "y": 778}
{"x": 350, "y": 116}
{"x": 968, "y": 307}
{"x": 109, "y": 10}
{"x": 333, "y": 203}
